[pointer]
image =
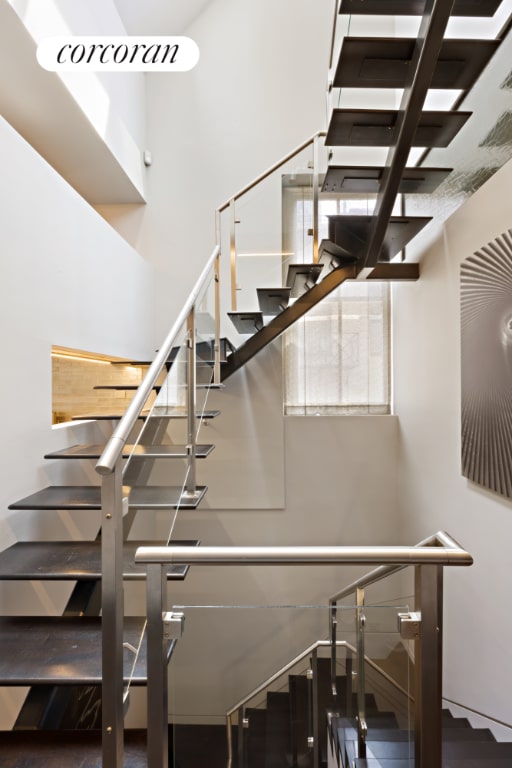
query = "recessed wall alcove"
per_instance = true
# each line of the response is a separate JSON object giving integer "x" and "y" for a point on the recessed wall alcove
{"x": 76, "y": 373}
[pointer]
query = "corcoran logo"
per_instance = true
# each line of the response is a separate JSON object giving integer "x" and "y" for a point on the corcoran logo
{"x": 118, "y": 54}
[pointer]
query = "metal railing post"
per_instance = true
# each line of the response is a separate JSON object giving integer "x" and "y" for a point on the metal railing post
{"x": 361, "y": 704}
{"x": 315, "y": 713}
{"x": 315, "y": 197}
{"x": 428, "y": 666}
{"x": 191, "y": 402}
{"x": 216, "y": 344}
{"x": 157, "y": 695}
{"x": 240, "y": 744}
{"x": 333, "y": 616}
{"x": 232, "y": 252}
{"x": 112, "y": 606}
{"x": 349, "y": 674}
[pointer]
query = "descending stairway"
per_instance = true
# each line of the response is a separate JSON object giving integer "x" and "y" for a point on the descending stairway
{"x": 279, "y": 733}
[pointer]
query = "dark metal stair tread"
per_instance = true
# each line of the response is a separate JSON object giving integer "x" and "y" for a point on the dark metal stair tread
{"x": 73, "y": 560}
{"x": 371, "y": 762}
{"x": 273, "y": 300}
{"x": 416, "y": 7}
{"x": 468, "y": 762}
{"x": 352, "y": 232}
{"x": 135, "y": 451}
{"x": 384, "y": 62}
{"x": 246, "y": 322}
{"x": 367, "y": 178}
{"x": 63, "y": 650}
{"x": 158, "y": 412}
{"x": 451, "y": 749}
{"x": 89, "y": 497}
{"x": 123, "y": 387}
{"x": 455, "y": 722}
{"x": 377, "y": 128}
{"x": 448, "y": 734}
{"x": 301, "y": 277}
{"x": 329, "y": 249}
{"x": 66, "y": 748}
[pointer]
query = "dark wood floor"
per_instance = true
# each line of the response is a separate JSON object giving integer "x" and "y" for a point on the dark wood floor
{"x": 190, "y": 746}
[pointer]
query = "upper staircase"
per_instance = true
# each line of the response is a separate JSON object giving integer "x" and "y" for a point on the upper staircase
{"x": 356, "y": 246}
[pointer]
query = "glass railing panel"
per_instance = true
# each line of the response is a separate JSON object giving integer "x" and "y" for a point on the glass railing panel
{"x": 159, "y": 456}
{"x": 276, "y": 686}
{"x": 381, "y": 722}
{"x": 254, "y": 234}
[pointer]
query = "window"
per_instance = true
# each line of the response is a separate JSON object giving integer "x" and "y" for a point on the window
{"x": 337, "y": 357}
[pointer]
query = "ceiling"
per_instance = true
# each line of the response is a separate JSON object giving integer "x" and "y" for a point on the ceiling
{"x": 159, "y": 17}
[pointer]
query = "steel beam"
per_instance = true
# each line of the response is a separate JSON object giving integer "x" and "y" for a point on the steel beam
{"x": 426, "y": 52}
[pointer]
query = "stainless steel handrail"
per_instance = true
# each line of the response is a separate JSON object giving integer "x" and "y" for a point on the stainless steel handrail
{"x": 271, "y": 170}
{"x": 113, "y": 449}
{"x": 401, "y": 556}
{"x": 440, "y": 541}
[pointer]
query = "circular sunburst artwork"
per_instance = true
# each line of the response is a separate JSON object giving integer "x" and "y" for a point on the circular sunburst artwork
{"x": 486, "y": 365}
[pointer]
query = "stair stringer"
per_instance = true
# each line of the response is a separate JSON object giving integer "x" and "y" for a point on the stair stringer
{"x": 287, "y": 317}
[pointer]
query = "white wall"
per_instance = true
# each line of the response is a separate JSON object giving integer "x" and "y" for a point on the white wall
{"x": 67, "y": 279}
{"x": 257, "y": 92}
{"x": 433, "y": 494}
{"x": 90, "y": 126}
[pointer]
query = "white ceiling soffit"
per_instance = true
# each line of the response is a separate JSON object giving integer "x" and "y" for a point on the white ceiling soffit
{"x": 39, "y": 106}
{"x": 159, "y": 17}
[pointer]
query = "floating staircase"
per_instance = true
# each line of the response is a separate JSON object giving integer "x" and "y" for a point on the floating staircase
{"x": 60, "y": 656}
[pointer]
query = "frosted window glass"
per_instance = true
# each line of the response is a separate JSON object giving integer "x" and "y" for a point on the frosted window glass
{"x": 337, "y": 357}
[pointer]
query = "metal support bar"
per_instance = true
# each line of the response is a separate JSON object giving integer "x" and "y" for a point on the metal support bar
{"x": 216, "y": 343}
{"x": 361, "y": 677}
{"x": 157, "y": 695}
{"x": 191, "y": 402}
{"x": 333, "y": 616}
{"x": 315, "y": 713}
{"x": 429, "y": 666}
{"x": 232, "y": 252}
{"x": 315, "y": 197}
{"x": 240, "y": 745}
{"x": 112, "y": 606}
{"x": 349, "y": 675}
{"x": 426, "y": 52}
